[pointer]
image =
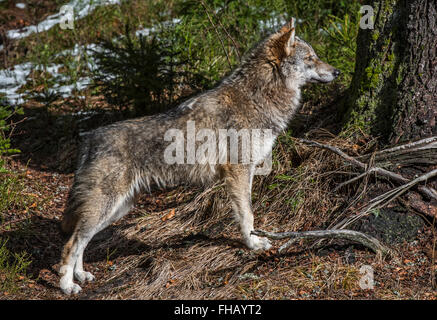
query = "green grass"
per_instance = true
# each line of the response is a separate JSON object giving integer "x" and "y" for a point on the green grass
{"x": 103, "y": 22}
{"x": 6, "y": 114}
{"x": 13, "y": 268}
{"x": 11, "y": 184}
{"x": 12, "y": 197}
{"x": 207, "y": 43}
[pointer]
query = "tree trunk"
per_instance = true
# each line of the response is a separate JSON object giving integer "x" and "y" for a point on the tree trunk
{"x": 393, "y": 93}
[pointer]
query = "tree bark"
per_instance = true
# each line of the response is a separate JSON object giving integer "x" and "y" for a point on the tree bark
{"x": 393, "y": 94}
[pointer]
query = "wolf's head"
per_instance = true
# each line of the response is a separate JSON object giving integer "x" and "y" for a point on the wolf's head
{"x": 296, "y": 60}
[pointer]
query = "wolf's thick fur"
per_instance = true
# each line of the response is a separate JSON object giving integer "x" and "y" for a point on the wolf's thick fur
{"x": 118, "y": 161}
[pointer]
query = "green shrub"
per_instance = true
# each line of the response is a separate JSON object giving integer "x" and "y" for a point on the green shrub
{"x": 206, "y": 40}
{"x": 5, "y": 125}
{"x": 143, "y": 73}
{"x": 341, "y": 45}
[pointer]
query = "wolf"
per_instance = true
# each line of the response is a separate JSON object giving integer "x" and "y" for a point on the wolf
{"x": 121, "y": 160}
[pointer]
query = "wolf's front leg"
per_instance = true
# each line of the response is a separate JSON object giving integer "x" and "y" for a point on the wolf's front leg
{"x": 239, "y": 184}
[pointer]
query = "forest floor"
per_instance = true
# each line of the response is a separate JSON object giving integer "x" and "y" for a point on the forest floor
{"x": 184, "y": 261}
{"x": 158, "y": 251}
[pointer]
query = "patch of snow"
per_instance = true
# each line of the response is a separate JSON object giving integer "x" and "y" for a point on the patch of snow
{"x": 81, "y": 8}
{"x": 66, "y": 90}
{"x": 144, "y": 32}
{"x": 84, "y": 113}
{"x": 272, "y": 24}
{"x": 147, "y": 31}
{"x": 21, "y": 5}
{"x": 12, "y": 79}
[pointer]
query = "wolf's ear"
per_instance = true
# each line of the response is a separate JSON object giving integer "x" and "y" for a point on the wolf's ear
{"x": 284, "y": 41}
{"x": 292, "y": 39}
{"x": 289, "y": 41}
{"x": 288, "y": 26}
{"x": 289, "y": 32}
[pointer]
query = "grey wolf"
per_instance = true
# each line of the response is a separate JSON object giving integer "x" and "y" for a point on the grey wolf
{"x": 119, "y": 161}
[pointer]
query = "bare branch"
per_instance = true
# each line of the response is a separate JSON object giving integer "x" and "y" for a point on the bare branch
{"x": 335, "y": 150}
{"x": 427, "y": 191}
{"x": 429, "y": 142}
{"x": 393, "y": 194}
{"x": 354, "y": 179}
{"x": 365, "y": 240}
{"x": 421, "y": 152}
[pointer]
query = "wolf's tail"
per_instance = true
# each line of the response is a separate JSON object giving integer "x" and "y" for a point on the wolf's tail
{"x": 75, "y": 201}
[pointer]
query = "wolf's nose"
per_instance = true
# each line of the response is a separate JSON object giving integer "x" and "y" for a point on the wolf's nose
{"x": 337, "y": 73}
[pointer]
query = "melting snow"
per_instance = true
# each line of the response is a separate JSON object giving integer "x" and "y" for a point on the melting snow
{"x": 81, "y": 8}
{"x": 148, "y": 31}
{"x": 12, "y": 79}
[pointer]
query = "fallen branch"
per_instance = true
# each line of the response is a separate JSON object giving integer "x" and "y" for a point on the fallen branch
{"x": 355, "y": 236}
{"x": 419, "y": 152}
{"x": 395, "y": 193}
{"x": 336, "y": 150}
{"x": 387, "y": 197}
{"x": 427, "y": 191}
{"x": 428, "y": 143}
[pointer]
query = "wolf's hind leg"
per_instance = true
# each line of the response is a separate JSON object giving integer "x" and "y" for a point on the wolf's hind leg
{"x": 238, "y": 180}
{"x": 87, "y": 226}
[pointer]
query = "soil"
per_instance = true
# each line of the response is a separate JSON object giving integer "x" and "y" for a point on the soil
{"x": 47, "y": 161}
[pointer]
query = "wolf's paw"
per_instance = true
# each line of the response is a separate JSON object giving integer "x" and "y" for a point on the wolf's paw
{"x": 258, "y": 243}
{"x": 70, "y": 288}
{"x": 83, "y": 276}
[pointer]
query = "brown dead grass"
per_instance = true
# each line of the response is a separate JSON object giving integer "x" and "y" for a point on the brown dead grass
{"x": 191, "y": 246}
{"x": 184, "y": 244}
